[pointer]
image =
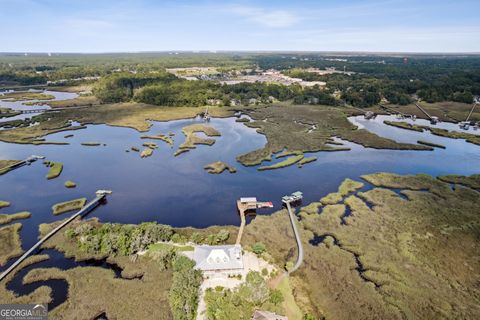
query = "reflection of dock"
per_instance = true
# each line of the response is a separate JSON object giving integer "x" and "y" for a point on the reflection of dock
{"x": 100, "y": 195}
{"x": 248, "y": 206}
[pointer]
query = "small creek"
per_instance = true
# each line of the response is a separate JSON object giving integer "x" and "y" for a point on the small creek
{"x": 59, "y": 286}
{"x": 43, "y": 104}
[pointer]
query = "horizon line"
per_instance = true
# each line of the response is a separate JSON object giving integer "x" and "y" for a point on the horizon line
{"x": 248, "y": 51}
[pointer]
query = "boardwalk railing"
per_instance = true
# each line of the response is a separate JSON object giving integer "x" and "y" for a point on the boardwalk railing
{"x": 33, "y": 111}
{"x": 21, "y": 163}
{"x": 297, "y": 265}
{"x": 100, "y": 195}
{"x": 41, "y": 110}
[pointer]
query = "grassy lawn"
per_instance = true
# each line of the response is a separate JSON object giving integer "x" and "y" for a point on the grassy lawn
{"x": 292, "y": 310}
{"x": 163, "y": 246}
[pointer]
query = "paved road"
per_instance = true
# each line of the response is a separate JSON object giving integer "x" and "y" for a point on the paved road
{"x": 297, "y": 238}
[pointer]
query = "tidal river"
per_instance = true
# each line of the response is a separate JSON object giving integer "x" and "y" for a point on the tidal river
{"x": 179, "y": 192}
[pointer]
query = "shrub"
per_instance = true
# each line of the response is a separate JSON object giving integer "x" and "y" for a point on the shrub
{"x": 163, "y": 257}
{"x": 289, "y": 265}
{"x": 259, "y": 248}
{"x": 196, "y": 238}
{"x": 255, "y": 289}
{"x": 276, "y": 297}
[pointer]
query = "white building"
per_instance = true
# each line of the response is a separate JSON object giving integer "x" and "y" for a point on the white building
{"x": 226, "y": 260}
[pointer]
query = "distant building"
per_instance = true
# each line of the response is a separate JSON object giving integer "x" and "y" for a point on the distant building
{"x": 266, "y": 315}
{"x": 226, "y": 259}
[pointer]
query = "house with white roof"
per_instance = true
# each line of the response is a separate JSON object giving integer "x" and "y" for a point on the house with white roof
{"x": 226, "y": 260}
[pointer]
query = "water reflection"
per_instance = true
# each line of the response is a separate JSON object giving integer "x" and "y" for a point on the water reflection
{"x": 179, "y": 192}
{"x": 19, "y": 105}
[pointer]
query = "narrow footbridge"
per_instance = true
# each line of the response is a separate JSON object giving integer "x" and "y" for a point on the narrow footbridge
{"x": 287, "y": 200}
{"x": 21, "y": 163}
{"x": 41, "y": 110}
{"x": 34, "y": 111}
{"x": 100, "y": 195}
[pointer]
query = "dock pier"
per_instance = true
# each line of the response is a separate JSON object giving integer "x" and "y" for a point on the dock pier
{"x": 248, "y": 204}
{"x": 288, "y": 200}
{"x": 22, "y": 163}
{"x": 100, "y": 195}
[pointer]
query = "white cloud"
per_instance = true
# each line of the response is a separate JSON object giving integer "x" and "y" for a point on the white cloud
{"x": 273, "y": 19}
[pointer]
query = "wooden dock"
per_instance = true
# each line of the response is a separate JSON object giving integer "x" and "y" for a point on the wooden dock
{"x": 22, "y": 163}
{"x": 245, "y": 205}
{"x": 100, "y": 195}
{"x": 48, "y": 110}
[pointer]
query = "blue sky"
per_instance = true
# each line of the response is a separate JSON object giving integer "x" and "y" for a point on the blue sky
{"x": 147, "y": 25}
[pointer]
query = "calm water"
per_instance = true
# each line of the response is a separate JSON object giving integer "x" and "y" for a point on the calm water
{"x": 179, "y": 192}
{"x": 378, "y": 127}
{"x": 19, "y": 105}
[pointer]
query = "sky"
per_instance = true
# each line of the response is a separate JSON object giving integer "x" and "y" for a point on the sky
{"x": 294, "y": 25}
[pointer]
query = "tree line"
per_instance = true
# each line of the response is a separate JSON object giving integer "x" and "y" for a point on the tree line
{"x": 164, "y": 89}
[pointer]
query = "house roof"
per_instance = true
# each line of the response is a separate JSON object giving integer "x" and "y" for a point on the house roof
{"x": 218, "y": 257}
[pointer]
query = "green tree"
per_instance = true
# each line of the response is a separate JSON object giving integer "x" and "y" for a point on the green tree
{"x": 183, "y": 294}
{"x": 196, "y": 237}
{"x": 258, "y": 248}
{"x": 255, "y": 289}
{"x": 276, "y": 297}
{"x": 222, "y": 236}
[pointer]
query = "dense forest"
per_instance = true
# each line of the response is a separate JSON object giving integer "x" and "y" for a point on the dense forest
{"x": 432, "y": 79}
{"x": 142, "y": 77}
{"x": 164, "y": 89}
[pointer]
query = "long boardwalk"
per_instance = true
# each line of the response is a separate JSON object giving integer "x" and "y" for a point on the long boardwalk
{"x": 33, "y": 111}
{"x": 297, "y": 238}
{"x": 241, "y": 210}
{"x": 101, "y": 194}
{"x": 41, "y": 110}
{"x": 21, "y": 163}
